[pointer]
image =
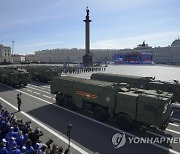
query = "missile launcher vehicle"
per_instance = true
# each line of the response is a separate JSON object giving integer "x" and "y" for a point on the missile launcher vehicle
{"x": 42, "y": 74}
{"x": 114, "y": 101}
{"x": 14, "y": 76}
{"x": 141, "y": 82}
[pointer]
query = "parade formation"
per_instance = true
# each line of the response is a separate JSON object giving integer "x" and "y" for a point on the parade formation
{"x": 131, "y": 102}
{"x": 64, "y": 101}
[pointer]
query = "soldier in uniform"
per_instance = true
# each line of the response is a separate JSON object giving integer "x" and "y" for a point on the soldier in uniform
{"x": 19, "y": 101}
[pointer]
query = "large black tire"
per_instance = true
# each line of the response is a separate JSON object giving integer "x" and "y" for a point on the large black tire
{"x": 3, "y": 80}
{"x": 59, "y": 99}
{"x": 41, "y": 79}
{"x": 124, "y": 121}
{"x": 8, "y": 83}
{"x": 100, "y": 113}
{"x": 33, "y": 78}
{"x": 25, "y": 84}
{"x": 70, "y": 103}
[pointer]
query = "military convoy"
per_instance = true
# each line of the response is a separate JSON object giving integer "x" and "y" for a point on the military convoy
{"x": 141, "y": 82}
{"x": 114, "y": 101}
{"x": 14, "y": 76}
{"x": 42, "y": 74}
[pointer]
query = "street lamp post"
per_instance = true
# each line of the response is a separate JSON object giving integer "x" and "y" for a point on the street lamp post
{"x": 68, "y": 61}
{"x": 12, "y": 51}
{"x": 69, "y": 135}
{"x": 106, "y": 61}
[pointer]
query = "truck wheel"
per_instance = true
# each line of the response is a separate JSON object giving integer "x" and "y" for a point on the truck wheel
{"x": 70, "y": 104}
{"x": 8, "y": 83}
{"x": 25, "y": 84}
{"x": 100, "y": 113}
{"x": 59, "y": 99}
{"x": 3, "y": 80}
{"x": 13, "y": 85}
{"x": 124, "y": 121}
{"x": 33, "y": 78}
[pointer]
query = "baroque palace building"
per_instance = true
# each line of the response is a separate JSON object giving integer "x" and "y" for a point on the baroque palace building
{"x": 168, "y": 55}
{"x": 161, "y": 55}
{"x": 74, "y": 55}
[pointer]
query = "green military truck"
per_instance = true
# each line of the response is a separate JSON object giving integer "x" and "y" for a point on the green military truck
{"x": 42, "y": 74}
{"x": 14, "y": 76}
{"x": 114, "y": 101}
{"x": 141, "y": 82}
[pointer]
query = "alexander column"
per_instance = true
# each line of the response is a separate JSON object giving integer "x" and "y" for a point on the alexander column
{"x": 87, "y": 58}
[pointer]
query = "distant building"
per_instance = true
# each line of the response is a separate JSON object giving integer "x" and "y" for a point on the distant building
{"x": 143, "y": 46}
{"x": 59, "y": 55}
{"x": 73, "y": 55}
{"x": 161, "y": 55}
{"x": 5, "y": 54}
{"x": 30, "y": 58}
{"x": 167, "y": 55}
{"x": 176, "y": 43}
{"x": 18, "y": 58}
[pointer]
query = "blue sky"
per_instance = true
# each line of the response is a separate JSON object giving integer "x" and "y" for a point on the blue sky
{"x": 116, "y": 24}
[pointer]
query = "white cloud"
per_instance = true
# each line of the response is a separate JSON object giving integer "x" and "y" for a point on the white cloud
{"x": 118, "y": 4}
{"x": 157, "y": 39}
{"x": 40, "y": 44}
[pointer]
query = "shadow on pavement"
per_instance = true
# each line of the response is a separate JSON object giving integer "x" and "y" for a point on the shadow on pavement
{"x": 4, "y": 88}
{"x": 90, "y": 134}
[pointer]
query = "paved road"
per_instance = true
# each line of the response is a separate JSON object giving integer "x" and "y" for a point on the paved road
{"x": 87, "y": 133}
{"x": 160, "y": 72}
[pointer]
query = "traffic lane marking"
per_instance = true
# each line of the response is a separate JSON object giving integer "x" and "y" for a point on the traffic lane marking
{"x": 108, "y": 126}
{"x": 33, "y": 91}
{"x": 29, "y": 90}
{"x": 46, "y": 86}
{"x": 40, "y": 94}
{"x": 36, "y": 86}
{"x": 47, "y": 96}
{"x": 47, "y": 89}
{"x": 153, "y": 133}
{"x": 176, "y": 105}
{"x": 46, "y": 128}
{"x": 36, "y": 93}
{"x": 175, "y": 119}
{"x": 39, "y": 90}
{"x": 172, "y": 124}
{"x": 173, "y": 131}
{"x": 176, "y": 110}
{"x": 176, "y": 115}
{"x": 167, "y": 129}
{"x": 40, "y": 84}
{"x": 119, "y": 130}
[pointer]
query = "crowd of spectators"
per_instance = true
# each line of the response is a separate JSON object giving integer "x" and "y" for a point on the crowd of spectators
{"x": 18, "y": 137}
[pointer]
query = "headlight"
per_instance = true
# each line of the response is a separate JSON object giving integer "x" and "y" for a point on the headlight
{"x": 165, "y": 108}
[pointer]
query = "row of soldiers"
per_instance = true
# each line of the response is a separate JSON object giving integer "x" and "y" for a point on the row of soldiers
{"x": 78, "y": 70}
